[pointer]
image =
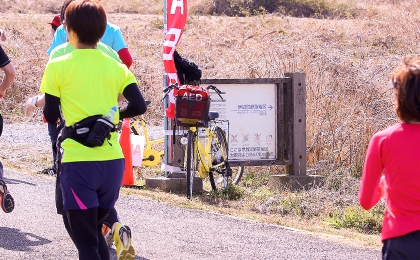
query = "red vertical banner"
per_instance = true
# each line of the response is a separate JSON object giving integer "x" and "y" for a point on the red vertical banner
{"x": 176, "y": 13}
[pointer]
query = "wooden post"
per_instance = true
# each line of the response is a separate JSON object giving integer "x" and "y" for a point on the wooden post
{"x": 294, "y": 100}
{"x": 298, "y": 118}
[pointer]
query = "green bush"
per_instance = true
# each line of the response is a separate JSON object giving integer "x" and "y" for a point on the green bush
{"x": 292, "y": 205}
{"x": 232, "y": 192}
{"x": 354, "y": 217}
{"x": 255, "y": 180}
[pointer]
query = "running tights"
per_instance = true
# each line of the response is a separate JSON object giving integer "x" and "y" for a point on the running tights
{"x": 86, "y": 227}
{"x": 109, "y": 221}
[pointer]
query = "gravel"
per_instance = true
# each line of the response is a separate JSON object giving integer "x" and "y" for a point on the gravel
{"x": 22, "y": 133}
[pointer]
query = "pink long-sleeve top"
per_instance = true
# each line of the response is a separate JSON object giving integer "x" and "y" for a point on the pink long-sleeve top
{"x": 395, "y": 152}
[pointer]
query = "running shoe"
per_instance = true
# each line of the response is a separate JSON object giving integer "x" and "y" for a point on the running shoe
{"x": 7, "y": 201}
{"x": 122, "y": 239}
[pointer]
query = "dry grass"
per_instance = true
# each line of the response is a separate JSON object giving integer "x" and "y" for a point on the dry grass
{"x": 347, "y": 64}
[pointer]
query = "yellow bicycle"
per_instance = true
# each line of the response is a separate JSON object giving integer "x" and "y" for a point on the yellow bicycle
{"x": 207, "y": 153}
{"x": 206, "y": 149}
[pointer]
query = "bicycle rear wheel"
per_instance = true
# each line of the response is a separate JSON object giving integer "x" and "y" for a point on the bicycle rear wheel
{"x": 220, "y": 172}
{"x": 190, "y": 164}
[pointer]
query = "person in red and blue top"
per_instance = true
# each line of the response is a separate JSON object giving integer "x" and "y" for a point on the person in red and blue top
{"x": 392, "y": 168}
{"x": 112, "y": 37}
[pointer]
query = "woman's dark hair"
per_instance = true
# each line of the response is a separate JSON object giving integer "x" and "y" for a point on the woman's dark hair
{"x": 406, "y": 80}
{"x": 63, "y": 8}
{"x": 54, "y": 27}
{"x": 87, "y": 19}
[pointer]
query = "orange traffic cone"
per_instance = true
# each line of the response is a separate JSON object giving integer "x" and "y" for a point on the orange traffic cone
{"x": 125, "y": 142}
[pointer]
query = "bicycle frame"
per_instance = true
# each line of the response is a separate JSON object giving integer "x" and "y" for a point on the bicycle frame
{"x": 203, "y": 151}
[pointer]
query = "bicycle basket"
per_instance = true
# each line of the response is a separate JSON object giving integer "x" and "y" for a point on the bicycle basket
{"x": 192, "y": 105}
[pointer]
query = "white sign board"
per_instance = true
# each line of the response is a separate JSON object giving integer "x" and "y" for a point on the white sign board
{"x": 137, "y": 147}
{"x": 251, "y": 112}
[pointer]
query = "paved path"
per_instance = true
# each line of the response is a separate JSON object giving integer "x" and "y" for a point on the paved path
{"x": 160, "y": 231}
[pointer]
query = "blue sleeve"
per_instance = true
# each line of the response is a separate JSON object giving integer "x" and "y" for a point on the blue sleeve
{"x": 113, "y": 37}
{"x": 119, "y": 42}
{"x": 60, "y": 37}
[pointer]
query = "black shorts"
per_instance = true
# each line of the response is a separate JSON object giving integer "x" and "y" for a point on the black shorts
{"x": 86, "y": 185}
{"x": 403, "y": 247}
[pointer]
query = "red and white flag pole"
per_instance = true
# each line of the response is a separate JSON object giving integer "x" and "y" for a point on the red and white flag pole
{"x": 176, "y": 13}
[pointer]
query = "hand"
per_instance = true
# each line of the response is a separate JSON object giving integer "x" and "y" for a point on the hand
{"x": 2, "y": 35}
{"x": 122, "y": 104}
{"x": 29, "y": 108}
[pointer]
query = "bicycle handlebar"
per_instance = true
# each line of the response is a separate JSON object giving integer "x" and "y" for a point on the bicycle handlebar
{"x": 218, "y": 92}
{"x": 172, "y": 86}
{"x": 168, "y": 89}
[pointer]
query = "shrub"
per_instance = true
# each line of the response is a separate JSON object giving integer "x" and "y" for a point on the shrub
{"x": 357, "y": 218}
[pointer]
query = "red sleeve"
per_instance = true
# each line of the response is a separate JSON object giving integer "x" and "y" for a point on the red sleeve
{"x": 125, "y": 57}
{"x": 370, "y": 189}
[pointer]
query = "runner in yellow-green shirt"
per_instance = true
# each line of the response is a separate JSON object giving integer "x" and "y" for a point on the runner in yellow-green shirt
{"x": 112, "y": 217}
{"x": 86, "y": 83}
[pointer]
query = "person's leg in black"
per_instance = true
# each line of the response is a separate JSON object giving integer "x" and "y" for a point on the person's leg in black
{"x": 59, "y": 202}
{"x": 109, "y": 221}
{"x": 68, "y": 229}
{"x": 103, "y": 246}
{"x": 111, "y": 218}
{"x": 53, "y": 133}
{"x": 87, "y": 233}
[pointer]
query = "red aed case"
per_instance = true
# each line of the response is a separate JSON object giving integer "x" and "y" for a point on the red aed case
{"x": 192, "y": 105}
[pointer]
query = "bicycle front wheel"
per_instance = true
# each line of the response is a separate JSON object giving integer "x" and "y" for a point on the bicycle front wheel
{"x": 220, "y": 172}
{"x": 237, "y": 174}
{"x": 190, "y": 164}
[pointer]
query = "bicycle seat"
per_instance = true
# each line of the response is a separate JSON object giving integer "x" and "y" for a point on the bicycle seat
{"x": 148, "y": 102}
{"x": 213, "y": 115}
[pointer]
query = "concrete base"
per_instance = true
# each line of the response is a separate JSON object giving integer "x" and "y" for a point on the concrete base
{"x": 177, "y": 175}
{"x": 178, "y": 185}
{"x": 292, "y": 182}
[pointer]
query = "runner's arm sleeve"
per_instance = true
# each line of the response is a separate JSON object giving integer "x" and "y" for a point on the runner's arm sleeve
{"x": 51, "y": 108}
{"x": 370, "y": 189}
{"x": 136, "y": 104}
{"x": 125, "y": 57}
